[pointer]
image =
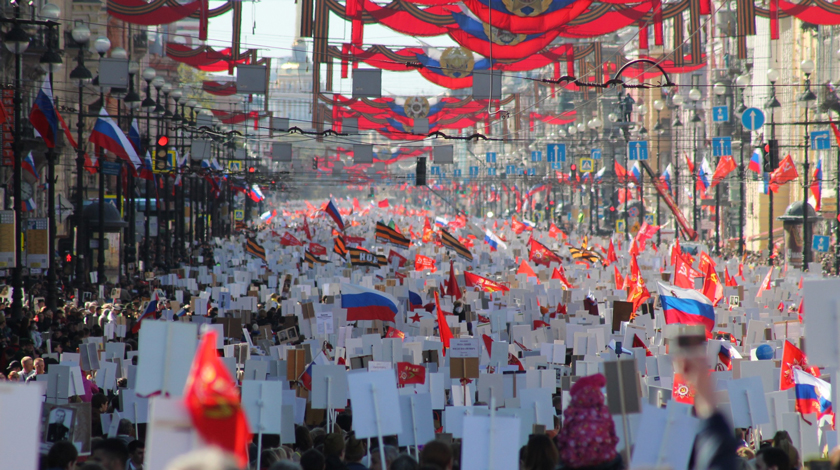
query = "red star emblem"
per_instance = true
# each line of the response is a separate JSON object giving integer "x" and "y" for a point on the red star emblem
{"x": 415, "y": 318}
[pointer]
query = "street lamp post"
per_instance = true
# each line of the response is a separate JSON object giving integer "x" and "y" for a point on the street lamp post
{"x": 81, "y": 76}
{"x": 148, "y": 105}
{"x": 677, "y": 100}
{"x": 742, "y": 81}
{"x": 719, "y": 89}
{"x": 694, "y": 95}
{"x": 158, "y": 83}
{"x": 807, "y": 99}
{"x": 17, "y": 41}
{"x": 642, "y": 132}
{"x": 132, "y": 102}
{"x": 658, "y": 105}
{"x": 772, "y": 104}
{"x": 51, "y": 61}
{"x": 101, "y": 46}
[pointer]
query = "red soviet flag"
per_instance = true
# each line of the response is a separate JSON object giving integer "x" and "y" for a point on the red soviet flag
{"x": 611, "y": 257}
{"x": 452, "y": 284}
{"x": 443, "y": 327}
{"x": 289, "y": 240}
{"x": 525, "y": 269}
{"x": 517, "y": 226}
{"x": 214, "y": 404}
{"x": 786, "y": 172}
{"x": 383, "y": 203}
{"x": 553, "y": 231}
{"x": 540, "y": 254}
{"x": 408, "y": 373}
{"x": 712, "y": 287}
{"x": 424, "y": 262}
{"x": 619, "y": 280}
{"x": 794, "y": 358}
{"x": 317, "y": 250}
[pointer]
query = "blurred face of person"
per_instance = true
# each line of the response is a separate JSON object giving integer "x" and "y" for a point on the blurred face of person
{"x": 760, "y": 465}
{"x": 137, "y": 456}
{"x": 107, "y": 461}
{"x": 39, "y": 366}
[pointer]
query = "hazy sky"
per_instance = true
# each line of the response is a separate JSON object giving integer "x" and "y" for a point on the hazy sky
{"x": 270, "y": 26}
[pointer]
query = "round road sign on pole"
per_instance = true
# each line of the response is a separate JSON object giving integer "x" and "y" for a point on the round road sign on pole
{"x": 752, "y": 119}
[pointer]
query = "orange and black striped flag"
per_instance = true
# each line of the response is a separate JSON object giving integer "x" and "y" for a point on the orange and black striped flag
{"x": 362, "y": 257}
{"x": 339, "y": 247}
{"x": 382, "y": 259}
{"x": 586, "y": 254}
{"x": 254, "y": 248}
{"x": 448, "y": 240}
{"x": 312, "y": 259}
{"x": 240, "y": 225}
{"x": 386, "y": 234}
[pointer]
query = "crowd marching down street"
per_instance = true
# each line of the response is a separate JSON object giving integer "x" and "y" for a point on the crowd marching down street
{"x": 345, "y": 335}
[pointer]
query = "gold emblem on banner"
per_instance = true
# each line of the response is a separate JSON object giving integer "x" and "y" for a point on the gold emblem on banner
{"x": 502, "y": 37}
{"x": 416, "y": 107}
{"x": 457, "y": 62}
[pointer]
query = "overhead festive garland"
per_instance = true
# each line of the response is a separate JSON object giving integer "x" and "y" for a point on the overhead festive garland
{"x": 206, "y": 58}
{"x": 219, "y": 89}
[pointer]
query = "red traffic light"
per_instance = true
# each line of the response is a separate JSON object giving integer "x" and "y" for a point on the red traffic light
{"x": 251, "y": 169}
{"x": 163, "y": 141}
{"x": 612, "y": 208}
{"x": 767, "y": 148}
{"x": 574, "y": 167}
{"x": 69, "y": 258}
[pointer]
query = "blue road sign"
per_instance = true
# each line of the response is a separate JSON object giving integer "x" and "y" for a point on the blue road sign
{"x": 111, "y": 168}
{"x": 820, "y": 243}
{"x": 532, "y": 171}
{"x": 820, "y": 140}
{"x": 721, "y": 146}
{"x": 649, "y": 219}
{"x": 510, "y": 169}
{"x": 752, "y": 119}
{"x": 473, "y": 171}
{"x": 456, "y": 172}
{"x": 556, "y": 166}
{"x": 436, "y": 170}
{"x": 720, "y": 114}
{"x": 637, "y": 150}
{"x": 556, "y": 152}
{"x": 595, "y": 154}
{"x": 491, "y": 157}
{"x": 536, "y": 156}
{"x": 491, "y": 172}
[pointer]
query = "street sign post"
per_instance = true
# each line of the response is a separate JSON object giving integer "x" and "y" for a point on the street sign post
{"x": 820, "y": 140}
{"x": 595, "y": 154}
{"x": 720, "y": 114}
{"x": 820, "y": 243}
{"x": 536, "y": 156}
{"x": 556, "y": 152}
{"x": 637, "y": 150}
{"x": 721, "y": 146}
{"x": 586, "y": 165}
{"x": 752, "y": 119}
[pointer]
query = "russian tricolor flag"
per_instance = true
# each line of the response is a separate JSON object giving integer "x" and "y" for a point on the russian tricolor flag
{"x": 108, "y": 135}
{"x": 666, "y": 177}
{"x": 441, "y": 222}
{"x": 636, "y": 172}
{"x": 493, "y": 240}
{"x": 812, "y": 395}
{"x": 600, "y": 174}
{"x": 151, "y": 308}
{"x": 686, "y": 306}
{"x": 43, "y": 116}
{"x": 414, "y": 300}
{"x": 332, "y": 211}
{"x": 363, "y": 303}
{"x": 816, "y": 186}
{"x": 146, "y": 171}
{"x": 703, "y": 174}
{"x": 28, "y": 164}
{"x": 530, "y": 225}
{"x": 755, "y": 161}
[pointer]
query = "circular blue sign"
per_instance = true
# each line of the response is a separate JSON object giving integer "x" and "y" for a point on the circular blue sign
{"x": 752, "y": 119}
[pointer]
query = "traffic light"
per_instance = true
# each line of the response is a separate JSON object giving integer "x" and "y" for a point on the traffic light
{"x": 162, "y": 154}
{"x": 314, "y": 163}
{"x": 420, "y": 172}
{"x": 573, "y": 174}
{"x": 771, "y": 155}
{"x": 129, "y": 253}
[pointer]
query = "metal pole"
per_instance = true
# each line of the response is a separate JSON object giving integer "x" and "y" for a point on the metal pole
{"x": 806, "y": 239}
{"x": 695, "y": 215}
{"x": 17, "y": 272}
{"x": 742, "y": 206}
{"x": 769, "y": 192}
{"x": 80, "y": 185}
{"x": 52, "y": 277}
